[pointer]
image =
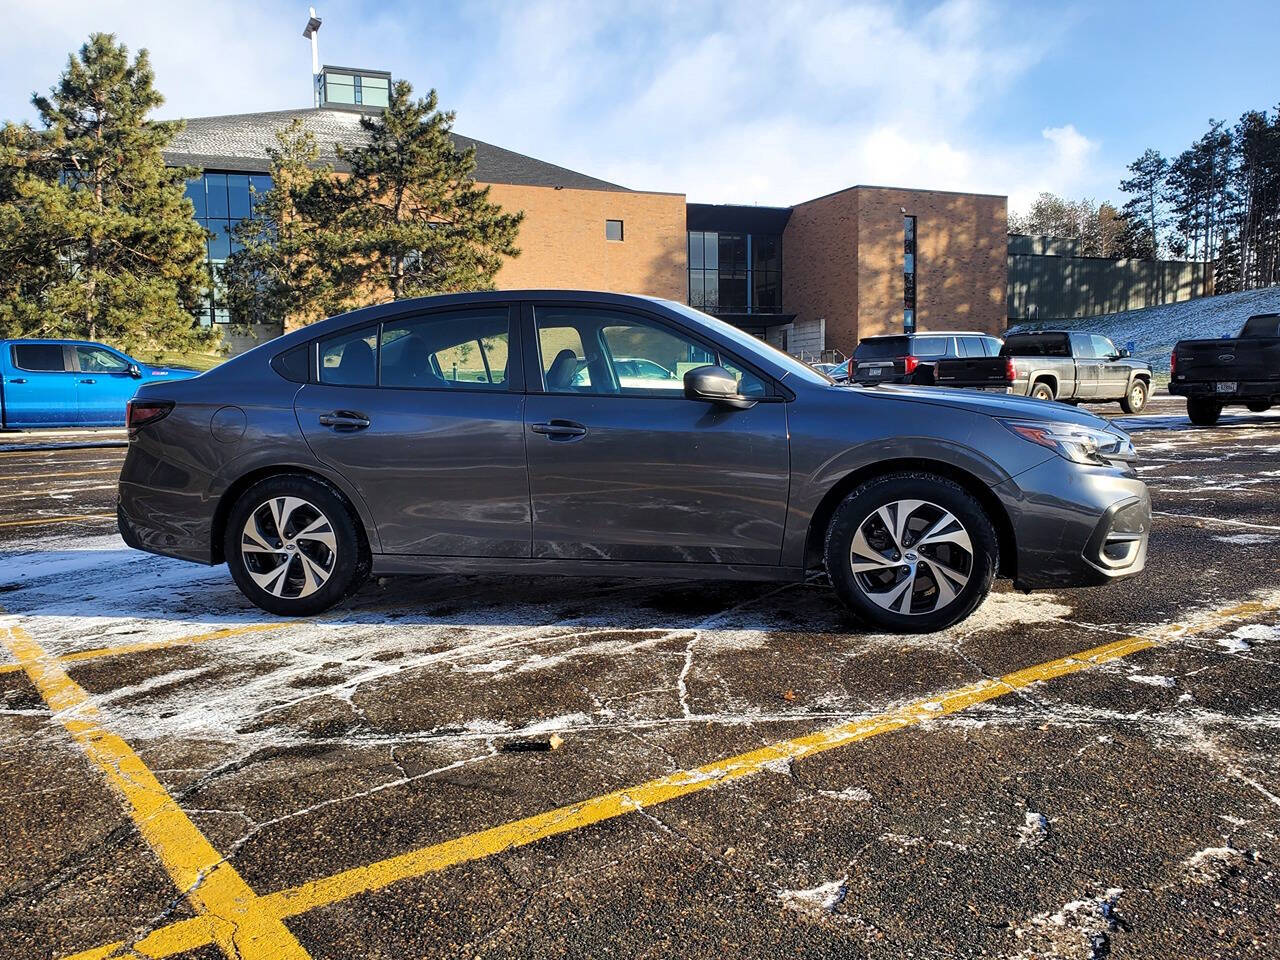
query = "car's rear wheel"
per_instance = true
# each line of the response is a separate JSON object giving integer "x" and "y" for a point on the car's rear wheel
{"x": 1259, "y": 407}
{"x": 911, "y": 552}
{"x": 1203, "y": 413}
{"x": 1136, "y": 398}
{"x": 1042, "y": 391}
{"x": 292, "y": 546}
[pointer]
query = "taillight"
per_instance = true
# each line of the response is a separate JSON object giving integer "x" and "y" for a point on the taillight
{"x": 910, "y": 363}
{"x": 1173, "y": 363}
{"x": 140, "y": 413}
{"x": 1009, "y": 373}
{"x": 849, "y": 370}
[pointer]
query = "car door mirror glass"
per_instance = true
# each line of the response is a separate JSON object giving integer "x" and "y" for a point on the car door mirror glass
{"x": 715, "y": 384}
{"x": 135, "y": 371}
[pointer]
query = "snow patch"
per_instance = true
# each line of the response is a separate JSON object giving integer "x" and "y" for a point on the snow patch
{"x": 1152, "y": 680}
{"x": 1034, "y": 829}
{"x": 823, "y": 898}
{"x": 848, "y": 794}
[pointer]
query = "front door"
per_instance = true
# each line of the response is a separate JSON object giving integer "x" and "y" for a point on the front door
{"x": 423, "y": 414}
{"x": 104, "y": 385}
{"x": 1088, "y": 366}
{"x": 623, "y": 467}
{"x": 1113, "y": 373}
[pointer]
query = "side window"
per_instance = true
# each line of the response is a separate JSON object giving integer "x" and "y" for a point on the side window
{"x": 1102, "y": 347}
{"x": 595, "y": 351}
{"x": 463, "y": 349}
{"x": 930, "y": 346}
{"x": 98, "y": 360}
{"x": 1082, "y": 346}
{"x": 971, "y": 347}
{"x": 349, "y": 359}
{"x": 992, "y": 346}
{"x": 38, "y": 357}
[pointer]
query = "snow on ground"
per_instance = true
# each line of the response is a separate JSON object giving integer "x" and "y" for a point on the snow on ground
{"x": 1155, "y": 330}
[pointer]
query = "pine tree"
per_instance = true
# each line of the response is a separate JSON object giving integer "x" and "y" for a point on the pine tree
{"x": 281, "y": 272}
{"x": 92, "y": 190}
{"x": 412, "y": 220}
{"x": 1146, "y": 187}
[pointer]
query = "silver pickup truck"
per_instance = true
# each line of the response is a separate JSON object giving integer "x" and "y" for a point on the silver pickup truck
{"x": 1056, "y": 365}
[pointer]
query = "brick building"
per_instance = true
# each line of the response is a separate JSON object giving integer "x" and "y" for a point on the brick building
{"x": 812, "y": 278}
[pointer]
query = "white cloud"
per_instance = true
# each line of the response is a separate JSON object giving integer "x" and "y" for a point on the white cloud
{"x": 748, "y": 101}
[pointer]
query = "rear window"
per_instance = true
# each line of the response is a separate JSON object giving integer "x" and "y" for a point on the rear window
{"x": 1265, "y": 326}
{"x": 1036, "y": 345}
{"x": 882, "y": 348}
{"x": 38, "y": 356}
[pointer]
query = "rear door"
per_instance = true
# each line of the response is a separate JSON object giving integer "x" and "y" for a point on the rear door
{"x": 1088, "y": 368}
{"x": 423, "y": 416}
{"x": 104, "y": 385}
{"x": 628, "y": 469}
{"x": 39, "y": 386}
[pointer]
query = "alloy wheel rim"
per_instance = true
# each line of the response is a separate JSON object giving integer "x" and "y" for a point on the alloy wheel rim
{"x": 288, "y": 547}
{"x": 911, "y": 557}
{"x": 1135, "y": 396}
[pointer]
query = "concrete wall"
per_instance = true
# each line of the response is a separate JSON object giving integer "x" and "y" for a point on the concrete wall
{"x": 842, "y": 261}
{"x": 563, "y": 244}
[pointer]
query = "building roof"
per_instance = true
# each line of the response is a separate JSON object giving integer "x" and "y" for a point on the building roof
{"x": 240, "y": 141}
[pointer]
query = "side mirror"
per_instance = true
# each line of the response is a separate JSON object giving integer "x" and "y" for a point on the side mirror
{"x": 712, "y": 384}
{"x": 1123, "y": 353}
{"x": 134, "y": 371}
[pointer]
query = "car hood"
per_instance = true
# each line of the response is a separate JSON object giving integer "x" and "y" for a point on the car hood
{"x": 991, "y": 404}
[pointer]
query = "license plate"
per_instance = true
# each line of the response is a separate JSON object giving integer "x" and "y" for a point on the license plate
{"x": 876, "y": 371}
{"x": 1226, "y": 386}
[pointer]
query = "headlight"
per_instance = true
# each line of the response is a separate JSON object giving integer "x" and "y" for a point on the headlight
{"x": 1076, "y": 443}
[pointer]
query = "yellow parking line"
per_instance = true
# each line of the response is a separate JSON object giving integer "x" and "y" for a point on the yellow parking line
{"x": 37, "y": 521}
{"x": 194, "y": 933}
{"x": 145, "y": 645}
{"x": 234, "y": 918}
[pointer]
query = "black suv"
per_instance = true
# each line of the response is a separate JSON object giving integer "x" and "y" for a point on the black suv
{"x": 910, "y": 358}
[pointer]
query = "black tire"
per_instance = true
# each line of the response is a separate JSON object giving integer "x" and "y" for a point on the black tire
{"x": 1203, "y": 413}
{"x": 345, "y": 566}
{"x": 860, "y": 509}
{"x": 1041, "y": 390}
{"x": 1136, "y": 399}
{"x": 1260, "y": 406}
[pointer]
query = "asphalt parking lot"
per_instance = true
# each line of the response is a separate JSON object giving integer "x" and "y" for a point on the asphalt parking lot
{"x": 489, "y": 767}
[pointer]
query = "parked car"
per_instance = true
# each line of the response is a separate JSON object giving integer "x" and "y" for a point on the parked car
{"x": 1243, "y": 370}
{"x": 1057, "y": 365}
{"x": 68, "y": 383}
{"x": 339, "y": 450}
{"x": 912, "y": 357}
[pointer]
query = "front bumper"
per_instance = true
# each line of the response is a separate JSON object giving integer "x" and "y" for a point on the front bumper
{"x": 1077, "y": 526}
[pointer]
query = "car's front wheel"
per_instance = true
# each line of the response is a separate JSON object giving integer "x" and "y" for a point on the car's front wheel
{"x": 1136, "y": 398}
{"x": 911, "y": 552}
{"x": 1203, "y": 413}
{"x": 292, "y": 546}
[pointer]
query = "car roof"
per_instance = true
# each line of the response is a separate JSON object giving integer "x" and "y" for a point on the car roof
{"x": 934, "y": 333}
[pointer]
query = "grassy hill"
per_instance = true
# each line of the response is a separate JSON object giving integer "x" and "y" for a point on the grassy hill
{"x": 1155, "y": 330}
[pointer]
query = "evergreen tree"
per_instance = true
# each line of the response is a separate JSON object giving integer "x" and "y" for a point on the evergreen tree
{"x": 1146, "y": 188}
{"x": 411, "y": 219}
{"x": 106, "y": 245}
{"x": 280, "y": 273}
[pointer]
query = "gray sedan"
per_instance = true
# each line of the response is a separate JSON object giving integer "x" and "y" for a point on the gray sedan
{"x": 495, "y": 433}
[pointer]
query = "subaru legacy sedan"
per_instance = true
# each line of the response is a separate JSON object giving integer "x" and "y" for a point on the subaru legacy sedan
{"x": 517, "y": 432}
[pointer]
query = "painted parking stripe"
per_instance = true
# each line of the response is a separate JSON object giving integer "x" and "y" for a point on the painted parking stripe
{"x": 70, "y": 473}
{"x": 145, "y": 645}
{"x": 233, "y": 917}
{"x": 192, "y": 934}
{"x": 36, "y": 521}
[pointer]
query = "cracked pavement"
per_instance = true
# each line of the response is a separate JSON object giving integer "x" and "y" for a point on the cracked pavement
{"x": 1129, "y": 809}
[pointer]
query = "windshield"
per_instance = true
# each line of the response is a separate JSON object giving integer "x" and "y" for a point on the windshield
{"x": 751, "y": 344}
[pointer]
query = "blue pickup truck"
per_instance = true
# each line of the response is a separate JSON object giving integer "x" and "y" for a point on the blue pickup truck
{"x": 70, "y": 383}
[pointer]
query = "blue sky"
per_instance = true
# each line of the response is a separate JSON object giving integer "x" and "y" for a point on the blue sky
{"x": 751, "y": 102}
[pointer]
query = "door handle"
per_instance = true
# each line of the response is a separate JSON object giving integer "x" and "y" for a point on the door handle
{"x": 344, "y": 421}
{"x": 86, "y": 381}
{"x": 560, "y": 430}
{"x": 17, "y": 379}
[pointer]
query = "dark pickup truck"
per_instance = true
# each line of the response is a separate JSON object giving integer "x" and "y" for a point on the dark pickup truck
{"x": 1055, "y": 365}
{"x": 1241, "y": 371}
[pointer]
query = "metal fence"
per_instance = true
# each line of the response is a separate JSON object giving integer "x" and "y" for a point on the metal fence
{"x": 1056, "y": 287}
